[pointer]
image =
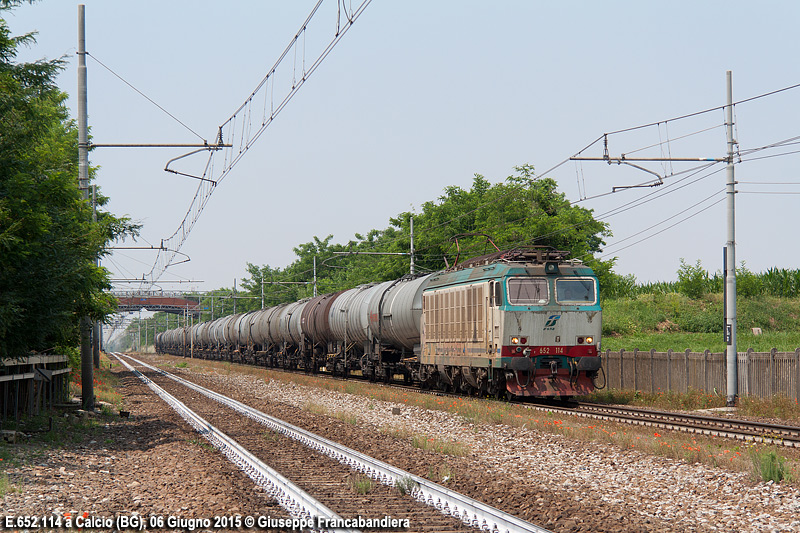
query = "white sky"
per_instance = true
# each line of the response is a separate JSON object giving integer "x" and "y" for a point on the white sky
{"x": 421, "y": 95}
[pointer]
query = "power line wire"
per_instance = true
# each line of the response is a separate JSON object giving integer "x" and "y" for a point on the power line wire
{"x": 126, "y": 82}
{"x": 662, "y": 231}
{"x": 242, "y": 139}
{"x": 709, "y": 110}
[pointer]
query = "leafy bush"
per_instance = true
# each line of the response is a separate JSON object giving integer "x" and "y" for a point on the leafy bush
{"x": 748, "y": 284}
{"x": 616, "y": 286}
{"x": 692, "y": 280}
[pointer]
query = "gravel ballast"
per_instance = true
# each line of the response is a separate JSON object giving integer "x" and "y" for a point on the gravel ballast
{"x": 154, "y": 464}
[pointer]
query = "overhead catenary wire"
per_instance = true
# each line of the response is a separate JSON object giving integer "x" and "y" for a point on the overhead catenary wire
{"x": 667, "y": 144}
{"x": 600, "y": 138}
{"x": 770, "y": 156}
{"x": 715, "y": 193}
{"x": 668, "y": 189}
{"x": 709, "y": 110}
{"x": 603, "y": 216}
{"x": 662, "y": 143}
{"x": 609, "y": 254}
{"x": 242, "y": 139}
{"x": 769, "y": 182}
{"x": 768, "y": 192}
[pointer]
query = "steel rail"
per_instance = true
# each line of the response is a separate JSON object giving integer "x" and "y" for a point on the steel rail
{"x": 291, "y": 497}
{"x": 470, "y": 511}
{"x": 744, "y": 430}
{"x": 789, "y": 435}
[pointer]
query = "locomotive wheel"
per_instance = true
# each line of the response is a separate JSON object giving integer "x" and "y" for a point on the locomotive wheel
{"x": 455, "y": 386}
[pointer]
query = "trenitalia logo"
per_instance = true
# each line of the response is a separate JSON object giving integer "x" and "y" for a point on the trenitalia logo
{"x": 550, "y": 325}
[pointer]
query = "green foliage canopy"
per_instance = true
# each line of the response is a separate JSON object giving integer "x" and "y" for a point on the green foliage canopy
{"x": 48, "y": 242}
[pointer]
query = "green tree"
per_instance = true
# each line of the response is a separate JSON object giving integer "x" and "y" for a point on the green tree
{"x": 48, "y": 242}
{"x": 521, "y": 211}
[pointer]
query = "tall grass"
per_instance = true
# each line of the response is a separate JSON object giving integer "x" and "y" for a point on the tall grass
{"x": 692, "y": 400}
{"x": 360, "y": 484}
{"x": 106, "y": 383}
{"x": 5, "y": 485}
{"x": 769, "y": 466}
{"x": 694, "y": 281}
{"x": 445, "y": 447}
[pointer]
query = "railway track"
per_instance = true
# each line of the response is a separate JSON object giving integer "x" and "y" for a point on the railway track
{"x": 779, "y": 435}
{"x": 300, "y": 505}
{"x": 325, "y": 475}
{"x": 749, "y": 431}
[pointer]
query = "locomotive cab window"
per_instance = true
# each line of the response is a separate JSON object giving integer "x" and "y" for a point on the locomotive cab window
{"x": 578, "y": 291}
{"x": 528, "y": 291}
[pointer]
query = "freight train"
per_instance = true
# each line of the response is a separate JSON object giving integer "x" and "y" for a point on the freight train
{"x": 520, "y": 323}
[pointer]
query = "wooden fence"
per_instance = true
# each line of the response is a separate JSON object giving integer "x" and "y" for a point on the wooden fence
{"x": 28, "y": 383}
{"x": 760, "y": 374}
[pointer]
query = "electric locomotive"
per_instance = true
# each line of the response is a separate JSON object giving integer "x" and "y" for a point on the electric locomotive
{"x": 520, "y": 323}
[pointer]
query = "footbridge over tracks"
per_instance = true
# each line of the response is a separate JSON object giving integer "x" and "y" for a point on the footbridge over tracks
{"x": 176, "y": 303}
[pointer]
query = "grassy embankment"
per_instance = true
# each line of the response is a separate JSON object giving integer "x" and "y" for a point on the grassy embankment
{"x": 662, "y": 321}
{"x": 655, "y": 318}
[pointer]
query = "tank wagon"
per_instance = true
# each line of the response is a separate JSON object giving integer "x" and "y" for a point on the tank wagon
{"x": 520, "y": 323}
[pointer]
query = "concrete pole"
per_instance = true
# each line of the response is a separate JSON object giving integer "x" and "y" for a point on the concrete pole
{"x": 97, "y": 327}
{"x": 412, "y": 243}
{"x": 730, "y": 280}
{"x": 87, "y": 370}
{"x": 315, "y": 276}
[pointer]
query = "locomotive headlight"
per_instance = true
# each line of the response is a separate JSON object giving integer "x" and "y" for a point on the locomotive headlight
{"x": 589, "y": 340}
{"x": 523, "y": 340}
{"x": 514, "y": 340}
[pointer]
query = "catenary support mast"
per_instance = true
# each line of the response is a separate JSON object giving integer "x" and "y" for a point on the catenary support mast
{"x": 87, "y": 370}
{"x": 730, "y": 280}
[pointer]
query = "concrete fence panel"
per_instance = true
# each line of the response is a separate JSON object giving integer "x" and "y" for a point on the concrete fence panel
{"x": 761, "y": 374}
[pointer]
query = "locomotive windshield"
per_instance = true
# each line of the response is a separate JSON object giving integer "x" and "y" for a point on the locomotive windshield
{"x": 575, "y": 291}
{"x": 527, "y": 291}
